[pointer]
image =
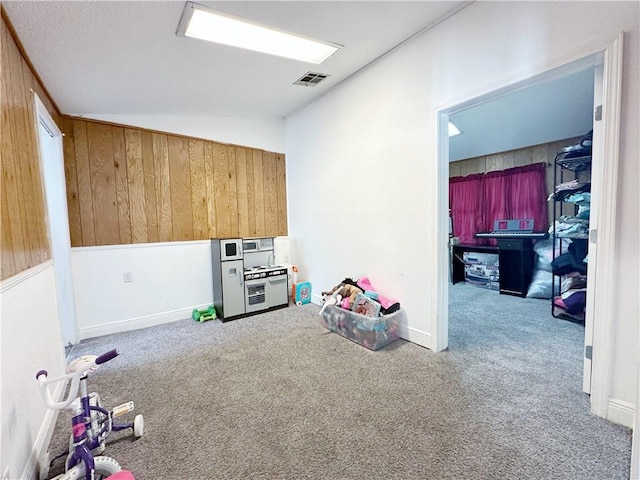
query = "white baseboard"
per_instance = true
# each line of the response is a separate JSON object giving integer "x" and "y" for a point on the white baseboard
{"x": 416, "y": 336}
{"x": 621, "y": 412}
{"x": 317, "y": 299}
{"x": 135, "y": 323}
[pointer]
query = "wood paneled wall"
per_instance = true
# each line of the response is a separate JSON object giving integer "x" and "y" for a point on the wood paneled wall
{"x": 516, "y": 158}
{"x": 25, "y": 241}
{"x": 129, "y": 185}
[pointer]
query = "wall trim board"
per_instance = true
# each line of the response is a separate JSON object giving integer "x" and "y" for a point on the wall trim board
{"x": 160, "y": 132}
{"x": 138, "y": 245}
{"x": 135, "y": 323}
{"x": 417, "y": 336}
{"x": 17, "y": 279}
{"x": 621, "y": 412}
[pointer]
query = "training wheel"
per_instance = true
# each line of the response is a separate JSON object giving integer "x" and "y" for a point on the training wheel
{"x": 138, "y": 426}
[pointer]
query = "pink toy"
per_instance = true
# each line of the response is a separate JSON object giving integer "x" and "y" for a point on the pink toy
{"x": 365, "y": 285}
{"x": 121, "y": 475}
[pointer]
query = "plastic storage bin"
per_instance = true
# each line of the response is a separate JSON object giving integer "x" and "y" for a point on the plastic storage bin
{"x": 372, "y": 333}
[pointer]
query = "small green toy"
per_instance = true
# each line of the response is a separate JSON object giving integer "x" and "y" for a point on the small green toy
{"x": 204, "y": 315}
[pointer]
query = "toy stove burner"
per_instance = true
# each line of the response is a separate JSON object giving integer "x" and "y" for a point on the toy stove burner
{"x": 251, "y": 273}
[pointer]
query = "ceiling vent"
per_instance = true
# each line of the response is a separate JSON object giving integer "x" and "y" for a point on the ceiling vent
{"x": 311, "y": 79}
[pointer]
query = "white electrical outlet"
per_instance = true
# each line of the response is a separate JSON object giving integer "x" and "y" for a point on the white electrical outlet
{"x": 128, "y": 277}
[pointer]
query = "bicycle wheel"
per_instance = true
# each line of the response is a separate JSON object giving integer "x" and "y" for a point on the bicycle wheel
{"x": 104, "y": 466}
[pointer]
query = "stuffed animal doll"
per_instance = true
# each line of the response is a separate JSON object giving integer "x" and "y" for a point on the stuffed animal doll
{"x": 349, "y": 291}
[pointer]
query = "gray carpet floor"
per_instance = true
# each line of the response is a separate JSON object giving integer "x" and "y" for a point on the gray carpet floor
{"x": 277, "y": 396}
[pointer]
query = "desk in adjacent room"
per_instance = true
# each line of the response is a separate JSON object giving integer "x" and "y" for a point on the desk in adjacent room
{"x": 457, "y": 267}
{"x": 516, "y": 259}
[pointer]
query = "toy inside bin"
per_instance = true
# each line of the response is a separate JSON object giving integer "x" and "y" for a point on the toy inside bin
{"x": 370, "y": 332}
{"x": 302, "y": 293}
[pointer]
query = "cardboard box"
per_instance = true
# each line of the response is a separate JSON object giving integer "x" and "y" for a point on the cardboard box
{"x": 482, "y": 269}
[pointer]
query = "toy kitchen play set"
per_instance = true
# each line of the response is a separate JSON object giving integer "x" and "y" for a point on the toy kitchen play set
{"x": 245, "y": 279}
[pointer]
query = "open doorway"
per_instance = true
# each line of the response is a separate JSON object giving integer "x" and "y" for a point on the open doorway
{"x": 52, "y": 165}
{"x": 604, "y": 177}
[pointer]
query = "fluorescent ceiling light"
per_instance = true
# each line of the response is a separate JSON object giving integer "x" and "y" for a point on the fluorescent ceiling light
{"x": 200, "y": 22}
{"x": 453, "y": 129}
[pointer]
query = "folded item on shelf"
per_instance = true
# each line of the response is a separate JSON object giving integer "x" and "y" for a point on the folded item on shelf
{"x": 570, "y": 227}
{"x": 575, "y": 300}
{"x": 579, "y": 198}
{"x": 579, "y": 247}
{"x": 573, "y": 280}
{"x": 563, "y": 190}
{"x": 567, "y": 263}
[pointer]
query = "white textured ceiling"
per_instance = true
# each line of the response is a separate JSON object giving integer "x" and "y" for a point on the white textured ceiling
{"x": 124, "y": 57}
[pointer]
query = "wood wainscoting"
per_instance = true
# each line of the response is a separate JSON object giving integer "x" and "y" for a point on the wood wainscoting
{"x": 25, "y": 242}
{"x": 129, "y": 185}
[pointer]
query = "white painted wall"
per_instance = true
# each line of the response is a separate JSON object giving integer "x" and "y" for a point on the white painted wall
{"x": 265, "y": 133}
{"x": 169, "y": 281}
{"x": 31, "y": 341}
{"x": 362, "y": 170}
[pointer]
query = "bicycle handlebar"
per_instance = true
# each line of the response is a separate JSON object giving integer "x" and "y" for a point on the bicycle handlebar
{"x": 105, "y": 357}
{"x": 75, "y": 377}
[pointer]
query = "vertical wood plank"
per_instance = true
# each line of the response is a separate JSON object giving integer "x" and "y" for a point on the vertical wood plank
{"x": 71, "y": 182}
{"x": 38, "y": 231}
{"x": 233, "y": 192}
{"x": 241, "y": 183}
{"x": 12, "y": 221}
{"x": 258, "y": 185}
{"x": 270, "y": 194}
{"x": 281, "y": 186}
{"x": 181, "y": 211}
{"x": 198, "y": 190}
{"x": 221, "y": 190}
{"x": 103, "y": 185}
{"x": 251, "y": 196}
{"x": 85, "y": 196}
{"x": 122, "y": 185}
{"x": 135, "y": 178}
{"x": 163, "y": 187}
{"x": 7, "y": 266}
{"x": 209, "y": 169}
{"x": 150, "y": 198}
{"x": 24, "y": 156}
{"x": 523, "y": 157}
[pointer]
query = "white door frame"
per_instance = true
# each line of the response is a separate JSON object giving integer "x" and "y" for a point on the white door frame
{"x": 607, "y": 53}
{"x": 52, "y": 168}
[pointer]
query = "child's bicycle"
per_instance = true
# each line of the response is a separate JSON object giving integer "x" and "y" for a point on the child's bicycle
{"x": 91, "y": 424}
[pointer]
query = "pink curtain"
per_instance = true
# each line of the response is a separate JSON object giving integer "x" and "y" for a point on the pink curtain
{"x": 476, "y": 201}
{"x": 464, "y": 193}
{"x": 528, "y": 195}
{"x": 494, "y": 204}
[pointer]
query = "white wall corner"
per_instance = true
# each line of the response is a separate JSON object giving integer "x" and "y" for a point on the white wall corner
{"x": 621, "y": 412}
{"x": 39, "y": 455}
